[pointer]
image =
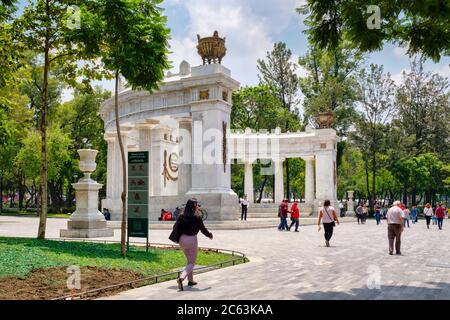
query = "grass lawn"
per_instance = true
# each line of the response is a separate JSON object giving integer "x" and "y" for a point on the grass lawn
{"x": 20, "y": 258}
{"x": 31, "y": 214}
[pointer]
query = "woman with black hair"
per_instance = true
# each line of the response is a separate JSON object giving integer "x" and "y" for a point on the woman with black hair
{"x": 189, "y": 224}
{"x": 329, "y": 217}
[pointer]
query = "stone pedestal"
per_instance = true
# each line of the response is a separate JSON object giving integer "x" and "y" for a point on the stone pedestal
{"x": 87, "y": 221}
{"x": 350, "y": 205}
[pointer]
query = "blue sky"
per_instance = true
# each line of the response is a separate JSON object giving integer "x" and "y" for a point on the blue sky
{"x": 251, "y": 27}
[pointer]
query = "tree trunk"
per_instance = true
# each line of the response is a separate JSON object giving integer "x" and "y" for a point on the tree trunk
{"x": 414, "y": 194}
{"x": 405, "y": 194}
{"x": 262, "y": 189}
{"x": 124, "y": 172}
{"x": 367, "y": 181}
{"x": 22, "y": 190}
{"x": 43, "y": 129}
{"x": 373, "y": 196}
{"x": 420, "y": 199}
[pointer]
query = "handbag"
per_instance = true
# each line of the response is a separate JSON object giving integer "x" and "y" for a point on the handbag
{"x": 175, "y": 234}
{"x": 334, "y": 222}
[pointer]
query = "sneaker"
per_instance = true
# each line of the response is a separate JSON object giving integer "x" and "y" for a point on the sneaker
{"x": 398, "y": 253}
{"x": 391, "y": 253}
{"x": 180, "y": 284}
{"x": 327, "y": 243}
{"x": 297, "y": 231}
{"x": 191, "y": 284}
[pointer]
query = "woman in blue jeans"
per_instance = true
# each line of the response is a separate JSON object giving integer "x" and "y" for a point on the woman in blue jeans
{"x": 378, "y": 214}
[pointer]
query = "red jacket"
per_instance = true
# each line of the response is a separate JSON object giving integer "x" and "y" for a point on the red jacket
{"x": 440, "y": 212}
{"x": 295, "y": 213}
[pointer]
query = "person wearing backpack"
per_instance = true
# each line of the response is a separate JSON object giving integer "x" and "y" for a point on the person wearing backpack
{"x": 329, "y": 218}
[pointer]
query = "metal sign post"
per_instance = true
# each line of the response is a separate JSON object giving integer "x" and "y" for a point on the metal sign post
{"x": 138, "y": 186}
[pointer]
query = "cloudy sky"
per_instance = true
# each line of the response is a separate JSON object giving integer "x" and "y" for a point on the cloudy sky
{"x": 251, "y": 27}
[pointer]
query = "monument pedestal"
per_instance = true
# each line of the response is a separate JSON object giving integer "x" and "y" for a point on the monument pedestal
{"x": 87, "y": 221}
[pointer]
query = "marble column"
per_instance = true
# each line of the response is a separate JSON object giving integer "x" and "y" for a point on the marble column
{"x": 185, "y": 155}
{"x": 326, "y": 176}
{"x": 248, "y": 181}
{"x": 309, "y": 181}
{"x": 279, "y": 188}
{"x": 110, "y": 163}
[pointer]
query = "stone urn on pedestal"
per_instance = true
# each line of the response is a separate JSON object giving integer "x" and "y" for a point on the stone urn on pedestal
{"x": 87, "y": 221}
{"x": 350, "y": 205}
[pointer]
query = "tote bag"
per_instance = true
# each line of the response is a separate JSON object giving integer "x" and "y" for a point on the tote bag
{"x": 175, "y": 235}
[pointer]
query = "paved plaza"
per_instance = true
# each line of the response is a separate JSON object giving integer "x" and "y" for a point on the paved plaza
{"x": 289, "y": 265}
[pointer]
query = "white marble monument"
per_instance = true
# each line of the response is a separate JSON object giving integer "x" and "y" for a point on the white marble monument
{"x": 87, "y": 221}
{"x": 185, "y": 126}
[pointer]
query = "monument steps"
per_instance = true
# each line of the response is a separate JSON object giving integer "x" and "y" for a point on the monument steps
{"x": 251, "y": 223}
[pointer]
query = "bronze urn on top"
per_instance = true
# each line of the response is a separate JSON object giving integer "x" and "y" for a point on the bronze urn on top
{"x": 211, "y": 49}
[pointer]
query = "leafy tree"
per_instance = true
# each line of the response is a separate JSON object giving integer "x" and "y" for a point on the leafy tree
{"x": 278, "y": 72}
{"x": 43, "y": 27}
{"x": 376, "y": 97}
{"x": 330, "y": 84}
{"x": 131, "y": 39}
{"x": 422, "y": 26}
{"x": 423, "y": 102}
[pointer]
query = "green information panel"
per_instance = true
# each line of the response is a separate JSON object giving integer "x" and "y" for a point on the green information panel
{"x": 138, "y": 186}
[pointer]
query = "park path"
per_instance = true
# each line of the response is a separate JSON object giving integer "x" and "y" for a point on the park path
{"x": 288, "y": 265}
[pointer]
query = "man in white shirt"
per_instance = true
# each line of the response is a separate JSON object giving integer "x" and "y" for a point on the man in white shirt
{"x": 244, "y": 206}
{"x": 395, "y": 218}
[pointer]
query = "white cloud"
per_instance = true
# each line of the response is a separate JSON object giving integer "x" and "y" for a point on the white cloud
{"x": 401, "y": 52}
{"x": 443, "y": 70}
{"x": 247, "y": 26}
{"x": 398, "y": 77}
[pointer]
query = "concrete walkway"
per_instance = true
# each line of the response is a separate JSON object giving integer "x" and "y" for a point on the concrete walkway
{"x": 288, "y": 265}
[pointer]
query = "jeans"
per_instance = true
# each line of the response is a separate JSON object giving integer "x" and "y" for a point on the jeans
{"x": 434, "y": 220}
{"x": 378, "y": 218}
{"x": 406, "y": 222}
{"x": 244, "y": 213}
{"x": 296, "y": 222}
{"x": 283, "y": 225}
{"x": 440, "y": 222}
{"x": 328, "y": 227}
{"x": 394, "y": 233}
{"x": 414, "y": 218}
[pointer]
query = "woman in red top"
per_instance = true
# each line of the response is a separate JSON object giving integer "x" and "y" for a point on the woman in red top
{"x": 295, "y": 215}
{"x": 440, "y": 214}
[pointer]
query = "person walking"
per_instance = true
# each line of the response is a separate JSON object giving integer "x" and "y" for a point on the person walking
{"x": 433, "y": 218}
{"x": 365, "y": 214}
{"x": 359, "y": 213}
{"x": 440, "y": 215}
{"x": 414, "y": 214}
{"x": 329, "y": 217}
{"x": 395, "y": 227}
{"x": 244, "y": 207}
{"x": 189, "y": 224}
{"x": 283, "y": 215}
{"x": 407, "y": 214}
{"x": 428, "y": 213}
{"x": 295, "y": 216}
{"x": 378, "y": 214}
